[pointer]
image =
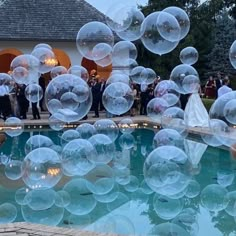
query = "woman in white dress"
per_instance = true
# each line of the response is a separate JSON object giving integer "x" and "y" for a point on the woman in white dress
{"x": 195, "y": 114}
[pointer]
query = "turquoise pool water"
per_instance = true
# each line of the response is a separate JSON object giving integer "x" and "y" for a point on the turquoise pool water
{"x": 131, "y": 207}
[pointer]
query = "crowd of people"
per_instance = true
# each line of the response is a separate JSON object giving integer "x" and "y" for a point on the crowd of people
{"x": 217, "y": 85}
{"x": 16, "y": 104}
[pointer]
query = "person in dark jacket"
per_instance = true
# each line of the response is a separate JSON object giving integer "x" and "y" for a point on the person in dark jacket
{"x": 96, "y": 89}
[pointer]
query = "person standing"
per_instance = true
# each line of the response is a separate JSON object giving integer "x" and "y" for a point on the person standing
{"x": 103, "y": 87}
{"x": 23, "y": 103}
{"x": 43, "y": 86}
{"x": 225, "y": 88}
{"x": 210, "y": 88}
{"x": 96, "y": 88}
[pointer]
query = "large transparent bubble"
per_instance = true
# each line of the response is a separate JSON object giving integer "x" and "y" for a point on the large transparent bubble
{"x": 42, "y": 217}
{"x": 58, "y": 70}
{"x": 90, "y": 35}
{"x": 118, "y": 98}
{"x": 86, "y": 130}
{"x": 8, "y": 213}
{"x": 100, "y": 51}
{"x": 126, "y": 126}
{"x": 229, "y": 111}
{"x": 168, "y": 27}
{"x": 82, "y": 200}
{"x": 76, "y": 157}
{"x": 126, "y": 141}
{"x": 46, "y": 57}
{"x": 6, "y": 84}
{"x": 41, "y": 169}
{"x": 13, "y": 169}
{"x": 43, "y": 45}
{"x": 100, "y": 179}
{"x": 213, "y": 197}
{"x": 104, "y": 147}
{"x": 169, "y": 137}
{"x": 55, "y": 123}
{"x": 33, "y": 93}
{"x": 133, "y": 32}
{"x": 13, "y": 126}
{"x": 230, "y": 198}
{"x": 225, "y": 177}
{"x": 151, "y": 38}
{"x": 62, "y": 198}
{"x": 179, "y": 73}
{"x": 232, "y": 54}
{"x": 20, "y": 196}
{"x": 156, "y": 107}
{"x": 191, "y": 84}
{"x": 133, "y": 184}
{"x": 107, "y": 127}
{"x": 74, "y": 95}
{"x": 79, "y": 71}
{"x": 39, "y": 200}
{"x": 189, "y": 56}
{"x": 122, "y": 52}
{"x": 37, "y": 141}
{"x": 68, "y": 136}
{"x": 118, "y": 77}
{"x": 166, "y": 87}
{"x": 167, "y": 208}
{"x": 30, "y": 73}
{"x": 193, "y": 189}
{"x": 168, "y": 229}
{"x": 181, "y": 17}
{"x": 173, "y": 118}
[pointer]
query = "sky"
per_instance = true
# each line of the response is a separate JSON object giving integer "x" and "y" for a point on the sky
{"x": 104, "y": 5}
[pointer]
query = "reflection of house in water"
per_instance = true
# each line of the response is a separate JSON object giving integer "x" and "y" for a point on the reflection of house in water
{"x": 25, "y": 23}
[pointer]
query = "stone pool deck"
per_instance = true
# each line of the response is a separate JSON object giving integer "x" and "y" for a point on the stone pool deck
{"x": 27, "y": 229}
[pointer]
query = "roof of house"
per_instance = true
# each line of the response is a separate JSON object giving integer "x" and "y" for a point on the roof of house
{"x": 51, "y": 20}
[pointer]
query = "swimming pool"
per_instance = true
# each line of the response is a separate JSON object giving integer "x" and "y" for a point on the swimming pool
{"x": 123, "y": 203}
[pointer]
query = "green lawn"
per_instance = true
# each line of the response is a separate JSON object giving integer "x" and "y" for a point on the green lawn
{"x": 207, "y": 103}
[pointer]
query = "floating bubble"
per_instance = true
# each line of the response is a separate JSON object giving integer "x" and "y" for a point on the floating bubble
{"x": 43, "y": 45}
{"x": 168, "y": 27}
{"x": 168, "y": 229}
{"x": 46, "y": 57}
{"x": 6, "y": 84}
{"x": 39, "y": 200}
{"x": 151, "y": 38}
{"x": 51, "y": 216}
{"x": 82, "y": 201}
{"x": 167, "y": 208}
{"x": 145, "y": 188}
{"x": 104, "y": 147}
{"x": 58, "y": 70}
{"x": 76, "y": 157}
{"x": 68, "y": 136}
{"x": 33, "y": 93}
{"x": 138, "y": 75}
{"x": 54, "y": 105}
{"x": 187, "y": 219}
{"x": 8, "y": 213}
{"x": 119, "y": 18}
{"x": 13, "y": 126}
{"x": 41, "y": 168}
{"x": 62, "y": 198}
{"x": 13, "y": 170}
{"x": 232, "y": 54}
{"x": 133, "y": 32}
{"x": 108, "y": 197}
{"x": 117, "y": 224}
{"x": 20, "y": 196}
{"x": 76, "y": 103}
{"x": 107, "y": 127}
{"x": 126, "y": 126}
{"x": 79, "y": 71}
{"x": 37, "y": 141}
{"x": 118, "y": 77}
{"x": 181, "y": 17}
{"x": 126, "y": 141}
{"x": 86, "y": 130}
{"x": 173, "y": 118}
{"x": 120, "y": 160}
{"x": 230, "y": 200}
{"x": 166, "y": 87}
{"x": 55, "y": 123}
{"x": 90, "y": 35}
{"x": 168, "y": 137}
{"x": 122, "y": 52}
{"x": 31, "y": 65}
{"x": 179, "y": 73}
{"x": 191, "y": 84}
{"x": 229, "y": 111}
{"x": 100, "y": 179}
{"x": 100, "y": 51}
{"x": 189, "y": 56}
{"x": 133, "y": 184}
{"x": 118, "y": 98}
{"x": 156, "y": 107}
{"x": 122, "y": 175}
{"x": 106, "y": 61}
{"x": 171, "y": 99}
{"x": 225, "y": 177}
{"x": 193, "y": 189}
{"x": 212, "y": 197}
